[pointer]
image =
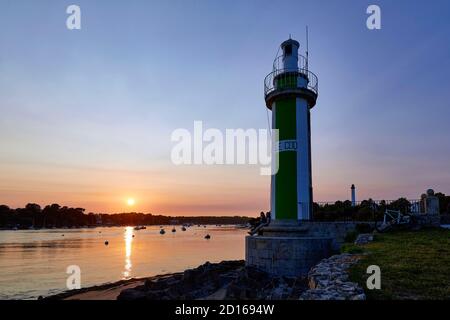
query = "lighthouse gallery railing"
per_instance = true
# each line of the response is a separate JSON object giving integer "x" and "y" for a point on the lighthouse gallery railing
{"x": 283, "y": 79}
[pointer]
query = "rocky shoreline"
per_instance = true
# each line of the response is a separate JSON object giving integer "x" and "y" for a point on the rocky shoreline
{"x": 231, "y": 280}
{"x": 228, "y": 280}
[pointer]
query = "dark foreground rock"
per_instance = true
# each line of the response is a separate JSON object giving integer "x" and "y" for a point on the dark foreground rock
{"x": 225, "y": 280}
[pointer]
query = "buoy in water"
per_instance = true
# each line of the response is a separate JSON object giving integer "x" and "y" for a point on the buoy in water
{"x": 162, "y": 231}
{"x": 207, "y": 236}
{"x": 183, "y": 229}
{"x": 106, "y": 243}
{"x": 174, "y": 230}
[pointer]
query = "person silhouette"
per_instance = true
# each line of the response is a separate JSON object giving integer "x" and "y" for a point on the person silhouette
{"x": 264, "y": 220}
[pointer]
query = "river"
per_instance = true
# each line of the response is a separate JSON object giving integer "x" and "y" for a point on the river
{"x": 34, "y": 262}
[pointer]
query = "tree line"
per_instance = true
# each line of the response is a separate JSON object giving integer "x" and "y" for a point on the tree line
{"x": 56, "y": 216}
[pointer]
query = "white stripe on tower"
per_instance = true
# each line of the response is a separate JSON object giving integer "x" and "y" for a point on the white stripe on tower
{"x": 303, "y": 177}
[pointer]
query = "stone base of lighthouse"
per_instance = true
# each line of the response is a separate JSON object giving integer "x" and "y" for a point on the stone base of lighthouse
{"x": 286, "y": 249}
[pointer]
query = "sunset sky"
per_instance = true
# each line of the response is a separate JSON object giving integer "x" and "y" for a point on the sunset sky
{"x": 86, "y": 116}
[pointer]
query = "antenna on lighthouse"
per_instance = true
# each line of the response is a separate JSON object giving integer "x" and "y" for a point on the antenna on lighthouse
{"x": 307, "y": 50}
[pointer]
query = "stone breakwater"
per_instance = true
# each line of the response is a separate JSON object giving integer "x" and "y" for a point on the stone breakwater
{"x": 329, "y": 280}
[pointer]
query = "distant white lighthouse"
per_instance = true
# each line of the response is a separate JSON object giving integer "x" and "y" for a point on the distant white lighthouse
{"x": 353, "y": 195}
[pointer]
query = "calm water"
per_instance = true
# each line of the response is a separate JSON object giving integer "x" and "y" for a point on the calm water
{"x": 34, "y": 262}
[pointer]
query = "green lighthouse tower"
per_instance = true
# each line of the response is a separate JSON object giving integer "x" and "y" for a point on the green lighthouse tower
{"x": 290, "y": 91}
{"x": 290, "y": 244}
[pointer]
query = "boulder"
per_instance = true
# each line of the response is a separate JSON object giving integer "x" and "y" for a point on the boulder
{"x": 329, "y": 280}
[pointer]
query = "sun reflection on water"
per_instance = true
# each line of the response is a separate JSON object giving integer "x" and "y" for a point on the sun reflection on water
{"x": 128, "y": 237}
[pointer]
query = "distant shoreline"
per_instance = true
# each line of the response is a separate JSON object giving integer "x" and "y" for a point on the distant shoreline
{"x": 119, "y": 226}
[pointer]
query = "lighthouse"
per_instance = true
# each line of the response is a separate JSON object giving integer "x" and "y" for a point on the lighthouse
{"x": 353, "y": 192}
{"x": 290, "y": 244}
{"x": 290, "y": 92}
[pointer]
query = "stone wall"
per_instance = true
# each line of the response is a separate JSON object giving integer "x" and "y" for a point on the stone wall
{"x": 287, "y": 256}
{"x": 337, "y": 230}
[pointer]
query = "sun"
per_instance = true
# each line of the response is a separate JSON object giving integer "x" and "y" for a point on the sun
{"x": 131, "y": 202}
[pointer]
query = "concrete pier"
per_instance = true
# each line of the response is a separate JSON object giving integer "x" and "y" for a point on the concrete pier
{"x": 286, "y": 256}
{"x": 288, "y": 248}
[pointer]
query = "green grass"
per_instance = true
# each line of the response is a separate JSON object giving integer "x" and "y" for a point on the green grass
{"x": 414, "y": 264}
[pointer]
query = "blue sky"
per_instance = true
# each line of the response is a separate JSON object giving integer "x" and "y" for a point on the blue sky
{"x": 86, "y": 115}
